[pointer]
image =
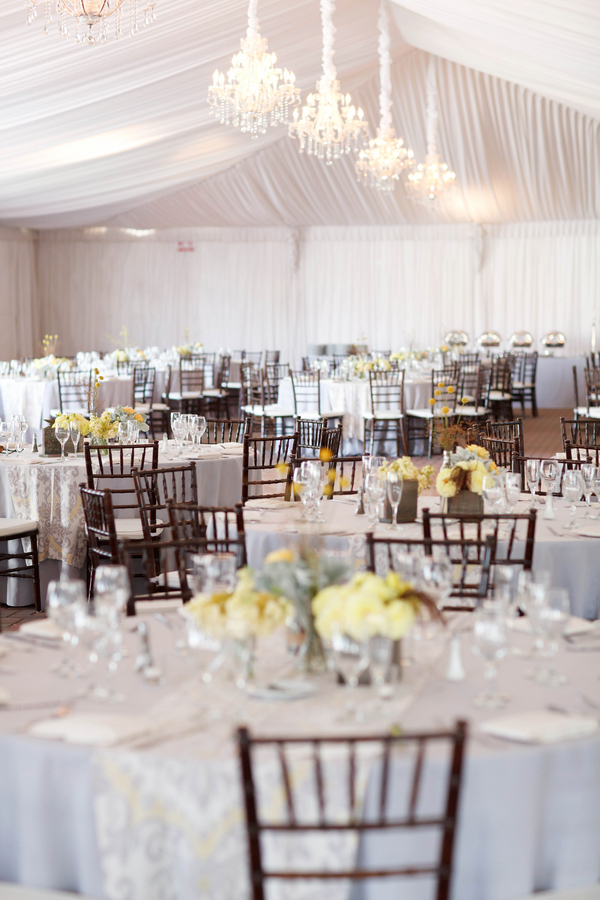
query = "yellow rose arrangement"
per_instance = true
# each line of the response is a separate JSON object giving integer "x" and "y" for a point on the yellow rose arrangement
{"x": 467, "y": 470}
{"x": 244, "y": 612}
{"x": 368, "y": 605}
{"x": 103, "y": 428}
{"x": 64, "y": 420}
{"x": 405, "y": 466}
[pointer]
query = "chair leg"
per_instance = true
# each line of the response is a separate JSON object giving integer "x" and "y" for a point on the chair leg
{"x": 37, "y": 593}
{"x": 372, "y": 436}
{"x": 534, "y": 409}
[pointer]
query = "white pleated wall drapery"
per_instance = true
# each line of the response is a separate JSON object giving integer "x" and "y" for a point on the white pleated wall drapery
{"x": 18, "y": 297}
{"x": 282, "y": 288}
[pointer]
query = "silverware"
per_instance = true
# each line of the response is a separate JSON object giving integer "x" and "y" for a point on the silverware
{"x": 30, "y": 639}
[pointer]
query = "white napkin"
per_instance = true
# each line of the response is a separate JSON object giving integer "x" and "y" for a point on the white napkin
{"x": 542, "y": 727}
{"x": 232, "y": 446}
{"x": 575, "y": 625}
{"x": 5, "y": 697}
{"x": 592, "y": 531}
{"x": 42, "y": 628}
{"x": 208, "y": 454}
{"x": 94, "y": 729}
{"x": 269, "y": 503}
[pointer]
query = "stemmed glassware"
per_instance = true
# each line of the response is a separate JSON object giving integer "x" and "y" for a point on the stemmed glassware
{"x": 351, "y": 658}
{"x": 394, "y": 485}
{"x": 374, "y": 494}
{"x": 19, "y": 431}
{"x": 7, "y": 431}
{"x": 588, "y": 474}
{"x": 123, "y": 432}
{"x": 62, "y": 436}
{"x": 112, "y": 590}
{"x": 133, "y": 431}
{"x": 436, "y": 575}
{"x": 549, "y": 472}
{"x": 549, "y": 611}
{"x": 512, "y": 487}
{"x": 490, "y": 642}
{"x": 74, "y": 435}
{"x": 572, "y": 489}
{"x": 380, "y": 650}
{"x": 179, "y": 428}
{"x": 493, "y": 492}
{"x": 595, "y": 507}
{"x": 66, "y": 603}
{"x": 532, "y": 474}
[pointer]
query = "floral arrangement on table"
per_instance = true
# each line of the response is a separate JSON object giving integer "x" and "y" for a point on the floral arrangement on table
{"x": 448, "y": 433}
{"x": 128, "y": 414}
{"x": 465, "y": 470}
{"x": 64, "y": 420}
{"x": 128, "y": 354}
{"x": 405, "y": 466}
{"x": 49, "y": 365}
{"x": 369, "y": 605}
{"x": 103, "y": 428}
{"x": 247, "y": 611}
{"x": 188, "y": 349}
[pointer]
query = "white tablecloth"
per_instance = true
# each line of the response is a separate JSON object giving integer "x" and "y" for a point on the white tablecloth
{"x": 167, "y": 822}
{"x": 37, "y": 398}
{"x": 354, "y": 399}
{"x": 573, "y": 561}
{"x": 49, "y": 493}
{"x": 555, "y": 389}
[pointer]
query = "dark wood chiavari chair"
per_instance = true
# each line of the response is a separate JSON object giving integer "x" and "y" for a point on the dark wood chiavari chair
{"x": 592, "y": 387}
{"x": 111, "y": 466}
{"x": 501, "y": 451}
{"x": 472, "y": 562}
{"x": 444, "y": 390}
{"x": 313, "y": 437}
{"x": 75, "y": 391}
{"x": 101, "y": 532}
{"x": 580, "y": 433}
{"x": 507, "y": 431}
{"x": 514, "y": 533}
{"x": 21, "y": 563}
{"x": 154, "y": 487}
{"x": 266, "y": 463}
{"x": 387, "y": 407}
{"x": 348, "y": 475}
{"x": 126, "y": 366}
{"x": 473, "y": 390}
{"x": 281, "y": 752}
{"x": 225, "y": 431}
{"x": 272, "y": 357}
{"x": 155, "y": 564}
{"x": 501, "y": 386}
{"x": 524, "y": 381}
{"x": 209, "y": 529}
{"x": 308, "y": 401}
{"x": 143, "y": 377}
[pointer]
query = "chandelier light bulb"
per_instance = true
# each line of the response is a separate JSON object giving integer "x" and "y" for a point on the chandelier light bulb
{"x": 254, "y": 94}
{"x": 329, "y": 125}
{"x": 382, "y": 162}
{"x": 94, "y": 21}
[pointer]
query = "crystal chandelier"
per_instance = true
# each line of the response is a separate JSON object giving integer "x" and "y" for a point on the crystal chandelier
{"x": 381, "y": 163}
{"x": 91, "y": 17}
{"x": 329, "y": 125}
{"x": 431, "y": 180}
{"x": 254, "y": 93}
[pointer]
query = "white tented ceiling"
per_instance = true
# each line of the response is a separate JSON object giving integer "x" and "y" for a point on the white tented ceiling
{"x": 121, "y": 134}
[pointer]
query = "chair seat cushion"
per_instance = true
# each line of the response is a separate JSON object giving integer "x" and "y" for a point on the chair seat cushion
{"x": 499, "y": 395}
{"x": 186, "y": 395}
{"x": 270, "y": 411}
{"x": 232, "y": 385}
{"x": 172, "y": 579}
{"x": 426, "y": 413}
{"x": 474, "y": 411}
{"x": 588, "y": 412}
{"x": 143, "y": 407}
{"x": 521, "y": 385}
{"x": 329, "y": 414}
{"x": 384, "y": 414}
{"x": 15, "y": 527}
{"x": 160, "y": 407}
{"x": 214, "y": 392}
{"x": 131, "y": 529}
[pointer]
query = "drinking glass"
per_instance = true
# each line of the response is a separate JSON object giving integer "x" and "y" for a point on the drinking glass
{"x": 437, "y": 577}
{"x": 512, "y": 487}
{"x": 62, "y": 436}
{"x": 133, "y": 429}
{"x": 595, "y": 507}
{"x": 7, "y": 434}
{"x": 490, "y": 642}
{"x": 394, "y": 484}
{"x": 200, "y": 427}
{"x": 380, "y": 649}
{"x": 112, "y": 590}
{"x": 493, "y": 492}
{"x": 549, "y": 614}
{"x": 549, "y": 472}
{"x": 351, "y": 659}
{"x": 123, "y": 432}
{"x": 174, "y": 416}
{"x": 200, "y": 578}
{"x": 588, "y": 474}
{"x": 179, "y": 429}
{"x": 193, "y": 430}
{"x": 66, "y": 602}
{"x": 74, "y": 434}
{"x": 374, "y": 494}
{"x": 532, "y": 474}
{"x": 572, "y": 489}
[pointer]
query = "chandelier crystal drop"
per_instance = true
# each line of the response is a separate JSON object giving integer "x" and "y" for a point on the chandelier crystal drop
{"x": 382, "y": 162}
{"x": 329, "y": 125}
{"x": 253, "y": 94}
{"x": 430, "y": 182}
{"x": 91, "y": 19}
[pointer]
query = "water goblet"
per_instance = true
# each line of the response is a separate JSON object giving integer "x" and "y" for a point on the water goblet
{"x": 133, "y": 429}
{"x": 222, "y": 572}
{"x": 200, "y": 578}
{"x": 179, "y": 429}
{"x": 351, "y": 659}
{"x": 74, "y": 434}
{"x": 588, "y": 474}
{"x": 532, "y": 474}
{"x": 493, "y": 492}
{"x": 380, "y": 650}
{"x": 374, "y": 494}
{"x": 512, "y": 487}
{"x": 66, "y": 601}
{"x": 490, "y": 642}
{"x": 112, "y": 590}
{"x": 549, "y": 614}
{"x": 572, "y": 490}
{"x": 174, "y": 417}
{"x": 394, "y": 484}
{"x": 437, "y": 576}
{"x": 123, "y": 432}
{"x": 549, "y": 472}
{"x": 62, "y": 436}
{"x": 200, "y": 427}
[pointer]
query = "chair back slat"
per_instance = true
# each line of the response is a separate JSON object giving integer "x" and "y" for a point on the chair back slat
{"x": 75, "y": 391}
{"x": 221, "y": 431}
{"x": 156, "y": 487}
{"x": 114, "y": 463}
{"x": 161, "y": 574}
{"x": 580, "y": 433}
{"x": 416, "y": 781}
{"x": 100, "y": 526}
{"x": 264, "y": 455}
{"x": 209, "y": 529}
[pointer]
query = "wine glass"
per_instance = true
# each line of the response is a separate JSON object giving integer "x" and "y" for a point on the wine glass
{"x": 222, "y": 571}
{"x": 74, "y": 434}
{"x": 200, "y": 427}
{"x": 493, "y": 492}
{"x": 380, "y": 649}
{"x": 7, "y": 434}
{"x": 112, "y": 590}
{"x": 66, "y": 601}
{"x": 374, "y": 493}
{"x": 179, "y": 429}
{"x": 394, "y": 484}
{"x": 512, "y": 487}
{"x": 62, "y": 436}
{"x": 20, "y": 430}
{"x": 549, "y": 472}
{"x": 174, "y": 417}
{"x": 532, "y": 474}
{"x": 123, "y": 432}
{"x": 572, "y": 489}
{"x": 351, "y": 659}
{"x": 437, "y": 576}
{"x": 588, "y": 474}
{"x": 133, "y": 429}
{"x": 490, "y": 642}
{"x": 549, "y": 613}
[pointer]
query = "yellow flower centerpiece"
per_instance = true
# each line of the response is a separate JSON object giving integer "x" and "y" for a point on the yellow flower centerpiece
{"x": 103, "y": 428}
{"x": 460, "y": 482}
{"x": 64, "y": 420}
{"x": 413, "y": 482}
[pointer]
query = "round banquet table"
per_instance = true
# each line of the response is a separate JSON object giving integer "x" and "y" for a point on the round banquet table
{"x": 354, "y": 399}
{"x": 46, "y": 490}
{"x": 162, "y": 815}
{"x": 572, "y": 560}
{"x": 36, "y": 398}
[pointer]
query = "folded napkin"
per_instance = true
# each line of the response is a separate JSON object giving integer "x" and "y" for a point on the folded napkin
{"x": 208, "y": 454}
{"x": 575, "y": 625}
{"x": 269, "y": 503}
{"x": 43, "y": 460}
{"x": 542, "y": 727}
{"x": 592, "y": 531}
{"x": 42, "y": 628}
{"x": 94, "y": 729}
{"x": 5, "y": 697}
{"x": 230, "y": 446}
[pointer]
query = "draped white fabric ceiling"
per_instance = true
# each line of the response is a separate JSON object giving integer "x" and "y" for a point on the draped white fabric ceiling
{"x": 121, "y": 133}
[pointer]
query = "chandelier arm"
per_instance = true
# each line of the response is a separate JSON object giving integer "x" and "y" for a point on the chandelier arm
{"x": 253, "y": 25}
{"x": 432, "y": 112}
{"x": 385, "y": 68}
{"x": 327, "y": 10}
